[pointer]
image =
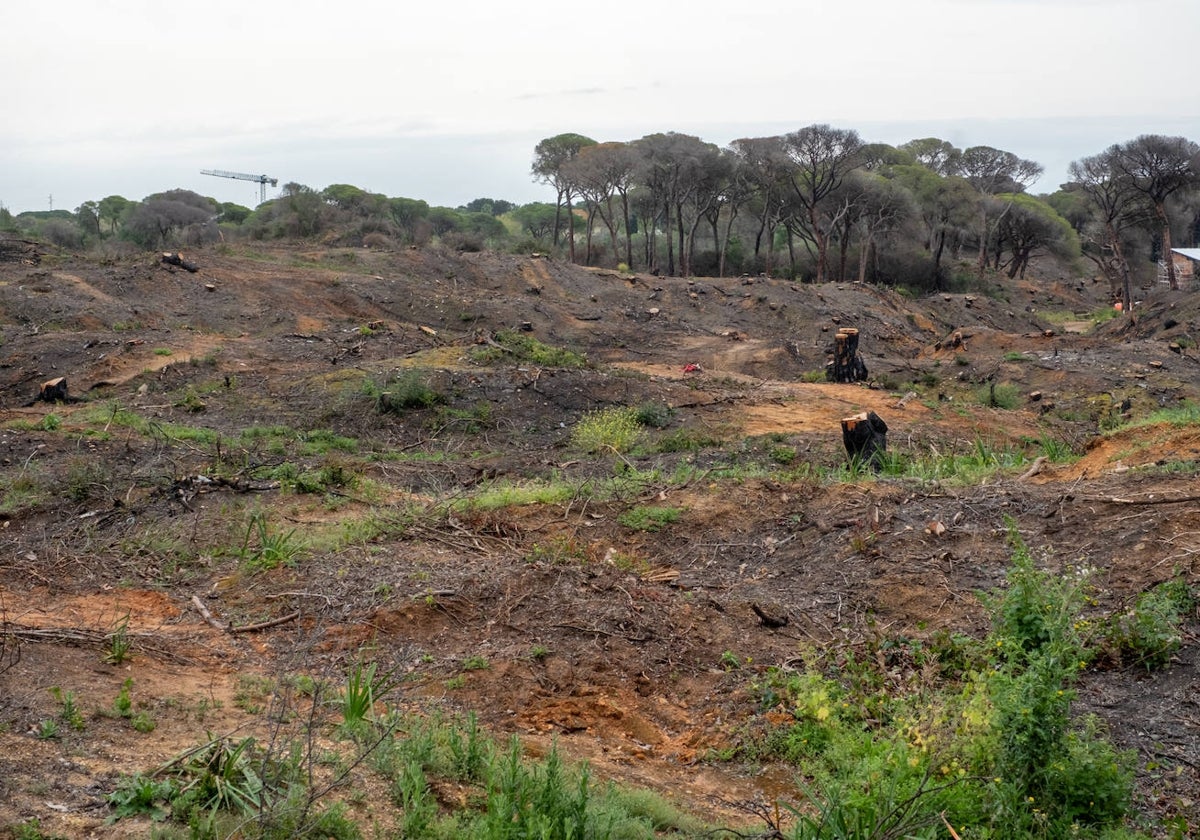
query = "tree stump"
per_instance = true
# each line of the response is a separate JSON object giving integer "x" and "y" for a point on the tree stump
{"x": 865, "y": 437}
{"x": 54, "y": 390}
{"x": 177, "y": 259}
{"x": 846, "y": 365}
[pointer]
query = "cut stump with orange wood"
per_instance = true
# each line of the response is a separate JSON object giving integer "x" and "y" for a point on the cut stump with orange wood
{"x": 846, "y": 365}
{"x": 865, "y": 437}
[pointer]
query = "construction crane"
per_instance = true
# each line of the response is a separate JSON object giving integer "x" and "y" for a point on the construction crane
{"x": 262, "y": 180}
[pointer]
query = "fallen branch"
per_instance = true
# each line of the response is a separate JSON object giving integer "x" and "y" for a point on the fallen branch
{"x": 263, "y": 625}
{"x": 1117, "y": 500}
{"x": 205, "y": 614}
{"x": 245, "y": 628}
{"x": 1033, "y": 470}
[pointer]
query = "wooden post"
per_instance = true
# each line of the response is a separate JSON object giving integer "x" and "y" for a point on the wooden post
{"x": 846, "y": 365}
{"x": 865, "y": 438}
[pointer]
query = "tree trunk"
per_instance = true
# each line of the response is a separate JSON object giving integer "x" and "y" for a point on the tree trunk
{"x": 937, "y": 261}
{"x": 846, "y": 366}
{"x": 1160, "y": 211}
{"x": 670, "y": 241}
{"x": 865, "y": 438}
{"x": 822, "y": 240}
{"x": 570, "y": 229}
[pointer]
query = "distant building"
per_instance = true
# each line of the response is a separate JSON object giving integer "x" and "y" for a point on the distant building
{"x": 1185, "y": 260}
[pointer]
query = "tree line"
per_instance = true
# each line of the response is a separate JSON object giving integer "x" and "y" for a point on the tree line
{"x": 821, "y": 203}
{"x": 818, "y": 204}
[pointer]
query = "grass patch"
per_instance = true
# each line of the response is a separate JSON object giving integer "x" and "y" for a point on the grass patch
{"x": 999, "y": 395}
{"x": 1185, "y": 414}
{"x": 649, "y": 518}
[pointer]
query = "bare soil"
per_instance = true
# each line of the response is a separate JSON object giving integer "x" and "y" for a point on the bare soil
{"x": 604, "y": 639}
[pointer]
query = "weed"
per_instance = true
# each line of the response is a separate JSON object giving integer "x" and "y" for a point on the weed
{"x": 476, "y": 662}
{"x": 122, "y": 704}
{"x": 190, "y": 401}
{"x": 508, "y": 495}
{"x": 31, "y": 829}
{"x": 409, "y": 391}
{"x": 84, "y": 478}
{"x": 323, "y": 441}
{"x": 358, "y": 701}
{"x": 137, "y": 795}
{"x": 558, "y": 551}
{"x": 1151, "y": 631}
{"x": 611, "y": 429}
{"x": 68, "y": 711}
{"x": 252, "y": 693}
{"x": 539, "y": 652}
{"x": 1055, "y": 449}
{"x": 509, "y": 345}
{"x": 143, "y": 722}
{"x": 784, "y": 455}
{"x": 686, "y": 440}
{"x": 118, "y": 643}
{"x": 993, "y": 746}
{"x": 47, "y": 729}
{"x": 469, "y": 421}
{"x": 649, "y": 518}
{"x": 469, "y": 751}
{"x": 162, "y": 351}
{"x": 273, "y": 550}
{"x": 27, "y": 489}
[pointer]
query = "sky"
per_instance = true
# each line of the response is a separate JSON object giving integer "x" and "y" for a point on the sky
{"x": 445, "y": 101}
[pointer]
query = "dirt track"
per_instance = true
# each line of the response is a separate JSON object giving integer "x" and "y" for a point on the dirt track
{"x": 629, "y": 626}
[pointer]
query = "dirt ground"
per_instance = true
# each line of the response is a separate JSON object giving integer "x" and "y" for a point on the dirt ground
{"x": 604, "y": 639}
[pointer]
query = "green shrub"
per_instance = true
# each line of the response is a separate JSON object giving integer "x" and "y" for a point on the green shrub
{"x": 613, "y": 429}
{"x": 655, "y": 414}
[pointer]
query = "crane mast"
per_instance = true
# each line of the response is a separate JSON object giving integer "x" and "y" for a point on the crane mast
{"x": 261, "y": 180}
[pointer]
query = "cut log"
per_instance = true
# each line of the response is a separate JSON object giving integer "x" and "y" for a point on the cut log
{"x": 865, "y": 438}
{"x": 171, "y": 258}
{"x": 846, "y": 365}
{"x": 54, "y": 390}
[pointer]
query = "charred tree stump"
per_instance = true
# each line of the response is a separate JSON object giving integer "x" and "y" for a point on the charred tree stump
{"x": 846, "y": 365}
{"x": 177, "y": 259}
{"x": 865, "y": 437}
{"x": 54, "y": 390}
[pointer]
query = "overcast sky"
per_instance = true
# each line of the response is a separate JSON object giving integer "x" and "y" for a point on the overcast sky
{"x": 445, "y": 101}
